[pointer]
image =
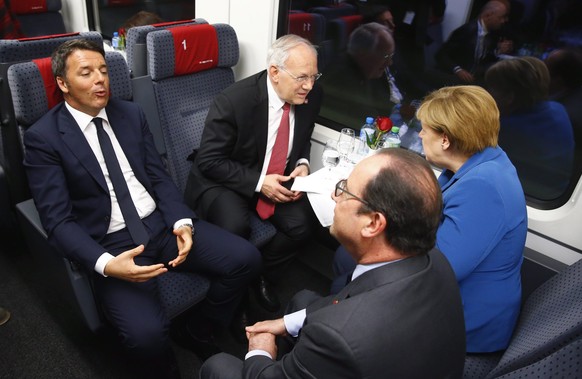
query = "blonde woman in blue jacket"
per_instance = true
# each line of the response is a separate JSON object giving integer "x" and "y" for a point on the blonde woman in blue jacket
{"x": 484, "y": 222}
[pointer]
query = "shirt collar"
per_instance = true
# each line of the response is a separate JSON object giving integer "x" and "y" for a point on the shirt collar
{"x": 83, "y": 119}
{"x": 275, "y": 101}
{"x": 361, "y": 269}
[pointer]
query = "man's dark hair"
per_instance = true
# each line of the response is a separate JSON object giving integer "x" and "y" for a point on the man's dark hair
{"x": 141, "y": 18}
{"x": 62, "y": 53}
{"x": 406, "y": 191}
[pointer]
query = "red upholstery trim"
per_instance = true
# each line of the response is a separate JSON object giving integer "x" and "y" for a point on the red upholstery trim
{"x": 119, "y": 3}
{"x": 352, "y": 22}
{"x": 49, "y": 36}
{"x": 302, "y": 25}
{"x": 9, "y": 25}
{"x": 52, "y": 90}
{"x": 169, "y": 23}
{"x": 28, "y": 6}
{"x": 195, "y": 48}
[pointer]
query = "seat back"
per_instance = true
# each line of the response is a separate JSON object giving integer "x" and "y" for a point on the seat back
{"x": 189, "y": 66}
{"x": 34, "y": 92}
{"x": 11, "y": 52}
{"x": 548, "y": 332}
{"x": 332, "y": 12}
{"x": 39, "y": 17}
{"x": 313, "y": 27}
{"x": 135, "y": 43}
{"x": 339, "y": 30}
{"x": 550, "y": 320}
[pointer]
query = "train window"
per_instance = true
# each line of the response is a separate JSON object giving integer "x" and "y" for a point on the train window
{"x": 361, "y": 80}
{"x": 109, "y": 16}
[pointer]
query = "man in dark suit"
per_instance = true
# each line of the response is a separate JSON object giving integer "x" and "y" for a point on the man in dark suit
{"x": 125, "y": 235}
{"x": 232, "y": 175}
{"x": 401, "y": 314}
{"x": 474, "y": 46}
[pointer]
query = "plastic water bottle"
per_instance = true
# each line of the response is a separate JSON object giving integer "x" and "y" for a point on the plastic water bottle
{"x": 367, "y": 129}
{"x": 115, "y": 41}
{"x": 392, "y": 139}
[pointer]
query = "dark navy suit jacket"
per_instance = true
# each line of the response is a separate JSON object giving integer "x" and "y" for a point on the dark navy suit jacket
{"x": 69, "y": 188}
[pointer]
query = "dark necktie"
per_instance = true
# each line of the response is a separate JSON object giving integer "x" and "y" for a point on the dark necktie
{"x": 265, "y": 207}
{"x": 132, "y": 220}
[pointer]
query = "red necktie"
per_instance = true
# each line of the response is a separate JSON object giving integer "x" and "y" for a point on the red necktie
{"x": 265, "y": 207}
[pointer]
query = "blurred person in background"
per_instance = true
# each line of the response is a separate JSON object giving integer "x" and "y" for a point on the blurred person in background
{"x": 535, "y": 132}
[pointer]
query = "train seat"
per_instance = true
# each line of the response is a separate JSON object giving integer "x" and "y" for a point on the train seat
{"x": 11, "y": 52}
{"x": 332, "y": 12}
{"x": 190, "y": 65}
{"x": 339, "y": 30}
{"x": 548, "y": 337}
{"x": 136, "y": 51}
{"x": 135, "y": 43}
{"x": 34, "y": 92}
{"x": 312, "y": 27}
{"x": 38, "y": 17}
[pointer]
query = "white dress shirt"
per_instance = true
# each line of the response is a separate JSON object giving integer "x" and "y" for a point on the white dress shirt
{"x": 275, "y": 114}
{"x": 142, "y": 200}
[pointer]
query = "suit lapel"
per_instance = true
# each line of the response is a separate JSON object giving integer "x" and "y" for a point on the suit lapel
{"x": 261, "y": 117}
{"x": 75, "y": 140}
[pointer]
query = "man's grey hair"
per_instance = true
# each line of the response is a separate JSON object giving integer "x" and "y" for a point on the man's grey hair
{"x": 365, "y": 38}
{"x": 279, "y": 50}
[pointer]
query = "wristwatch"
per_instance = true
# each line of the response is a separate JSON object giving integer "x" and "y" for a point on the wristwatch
{"x": 191, "y": 227}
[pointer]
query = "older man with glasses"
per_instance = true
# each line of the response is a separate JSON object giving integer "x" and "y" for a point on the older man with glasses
{"x": 255, "y": 141}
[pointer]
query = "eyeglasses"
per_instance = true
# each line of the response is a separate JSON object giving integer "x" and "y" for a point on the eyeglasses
{"x": 340, "y": 188}
{"x": 389, "y": 56}
{"x": 303, "y": 78}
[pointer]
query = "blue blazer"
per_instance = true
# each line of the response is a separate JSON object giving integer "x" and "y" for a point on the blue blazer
{"x": 69, "y": 188}
{"x": 482, "y": 233}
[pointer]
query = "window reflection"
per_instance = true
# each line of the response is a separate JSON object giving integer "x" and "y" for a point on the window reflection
{"x": 112, "y": 14}
{"x": 354, "y": 89}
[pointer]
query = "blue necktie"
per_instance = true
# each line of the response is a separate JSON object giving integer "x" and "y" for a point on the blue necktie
{"x": 132, "y": 220}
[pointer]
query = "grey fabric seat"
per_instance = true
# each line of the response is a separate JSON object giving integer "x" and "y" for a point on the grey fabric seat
{"x": 11, "y": 52}
{"x": 185, "y": 83}
{"x": 135, "y": 43}
{"x": 547, "y": 341}
{"x": 35, "y": 22}
{"x": 32, "y": 99}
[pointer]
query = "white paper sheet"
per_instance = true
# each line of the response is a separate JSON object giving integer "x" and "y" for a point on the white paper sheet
{"x": 319, "y": 186}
